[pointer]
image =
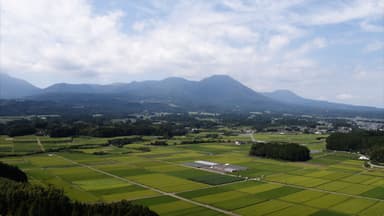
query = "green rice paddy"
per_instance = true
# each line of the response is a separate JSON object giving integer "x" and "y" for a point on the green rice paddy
{"x": 332, "y": 183}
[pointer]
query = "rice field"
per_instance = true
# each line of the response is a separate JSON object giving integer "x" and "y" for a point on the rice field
{"x": 332, "y": 183}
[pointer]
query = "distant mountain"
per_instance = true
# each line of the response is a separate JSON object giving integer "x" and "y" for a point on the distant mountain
{"x": 289, "y": 97}
{"x": 218, "y": 93}
{"x": 74, "y": 88}
{"x": 285, "y": 96}
{"x": 215, "y": 92}
{"x": 11, "y": 87}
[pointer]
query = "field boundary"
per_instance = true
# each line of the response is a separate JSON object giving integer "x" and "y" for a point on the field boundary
{"x": 150, "y": 188}
{"x": 321, "y": 190}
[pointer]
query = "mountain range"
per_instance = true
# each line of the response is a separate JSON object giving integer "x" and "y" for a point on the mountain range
{"x": 219, "y": 93}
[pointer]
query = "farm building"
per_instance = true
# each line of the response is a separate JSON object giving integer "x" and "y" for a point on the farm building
{"x": 363, "y": 157}
{"x": 216, "y": 166}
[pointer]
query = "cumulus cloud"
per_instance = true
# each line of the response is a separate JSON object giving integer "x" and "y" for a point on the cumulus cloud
{"x": 46, "y": 37}
{"x": 262, "y": 43}
{"x": 67, "y": 37}
{"x": 344, "y": 96}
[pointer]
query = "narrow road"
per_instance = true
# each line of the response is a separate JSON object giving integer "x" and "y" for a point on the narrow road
{"x": 374, "y": 165}
{"x": 150, "y": 188}
{"x": 40, "y": 144}
{"x": 252, "y": 137}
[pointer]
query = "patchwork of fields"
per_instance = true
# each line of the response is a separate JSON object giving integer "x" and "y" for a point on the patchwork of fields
{"x": 332, "y": 183}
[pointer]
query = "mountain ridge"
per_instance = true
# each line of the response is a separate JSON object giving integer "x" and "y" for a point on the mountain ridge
{"x": 217, "y": 92}
{"x": 11, "y": 87}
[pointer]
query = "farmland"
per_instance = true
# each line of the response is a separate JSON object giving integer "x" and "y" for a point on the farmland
{"x": 331, "y": 183}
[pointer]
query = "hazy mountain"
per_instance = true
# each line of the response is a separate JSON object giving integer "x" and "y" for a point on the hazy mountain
{"x": 11, "y": 87}
{"x": 218, "y": 93}
{"x": 285, "y": 96}
{"x": 74, "y": 88}
{"x": 289, "y": 97}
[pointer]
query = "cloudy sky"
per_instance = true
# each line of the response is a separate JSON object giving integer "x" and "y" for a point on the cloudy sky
{"x": 325, "y": 49}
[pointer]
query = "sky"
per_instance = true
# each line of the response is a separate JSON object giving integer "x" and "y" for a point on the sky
{"x": 321, "y": 49}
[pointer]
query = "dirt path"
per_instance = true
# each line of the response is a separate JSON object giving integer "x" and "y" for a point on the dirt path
{"x": 252, "y": 137}
{"x": 150, "y": 188}
{"x": 40, "y": 144}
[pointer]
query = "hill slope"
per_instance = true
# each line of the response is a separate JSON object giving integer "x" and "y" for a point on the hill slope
{"x": 218, "y": 93}
{"x": 289, "y": 97}
{"x": 11, "y": 87}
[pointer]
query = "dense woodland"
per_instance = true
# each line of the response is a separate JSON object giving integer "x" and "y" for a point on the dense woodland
{"x": 120, "y": 142}
{"x": 367, "y": 142}
{"x": 377, "y": 155}
{"x": 17, "y": 197}
{"x": 281, "y": 151}
{"x": 89, "y": 127}
{"x": 12, "y": 172}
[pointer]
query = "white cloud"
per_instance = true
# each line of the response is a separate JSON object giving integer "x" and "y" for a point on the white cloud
{"x": 67, "y": 39}
{"x": 316, "y": 43}
{"x": 263, "y": 43}
{"x": 277, "y": 42}
{"x": 344, "y": 96}
{"x": 43, "y": 37}
{"x": 374, "y": 46}
{"x": 369, "y": 27}
{"x": 344, "y": 11}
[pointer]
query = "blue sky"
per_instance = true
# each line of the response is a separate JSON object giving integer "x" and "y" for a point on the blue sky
{"x": 325, "y": 49}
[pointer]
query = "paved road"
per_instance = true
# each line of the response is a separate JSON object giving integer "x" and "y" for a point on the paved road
{"x": 374, "y": 165}
{"x": 150, "y": 188}
{"x": 40, "y": 144}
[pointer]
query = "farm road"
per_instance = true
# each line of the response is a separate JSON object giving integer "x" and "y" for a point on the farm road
{"x": 150, "y": 188}
{"x": 40, "y": 144}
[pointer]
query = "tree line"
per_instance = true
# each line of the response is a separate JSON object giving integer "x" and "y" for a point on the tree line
{"x": 12, "y": 172}
{"x": 120, "y": 142}
{"x": 281, "y": 151}
{"x": 367, "y": 142}
{"x": 18, "y": 197}
{"x": 90, "y": 127}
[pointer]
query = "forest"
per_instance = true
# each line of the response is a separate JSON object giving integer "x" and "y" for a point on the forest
{"x": 89, "y": 127}
{"x": 280, "y": 151}
{"x": 12, "y": 172}
{"x": 366, "y": 142}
